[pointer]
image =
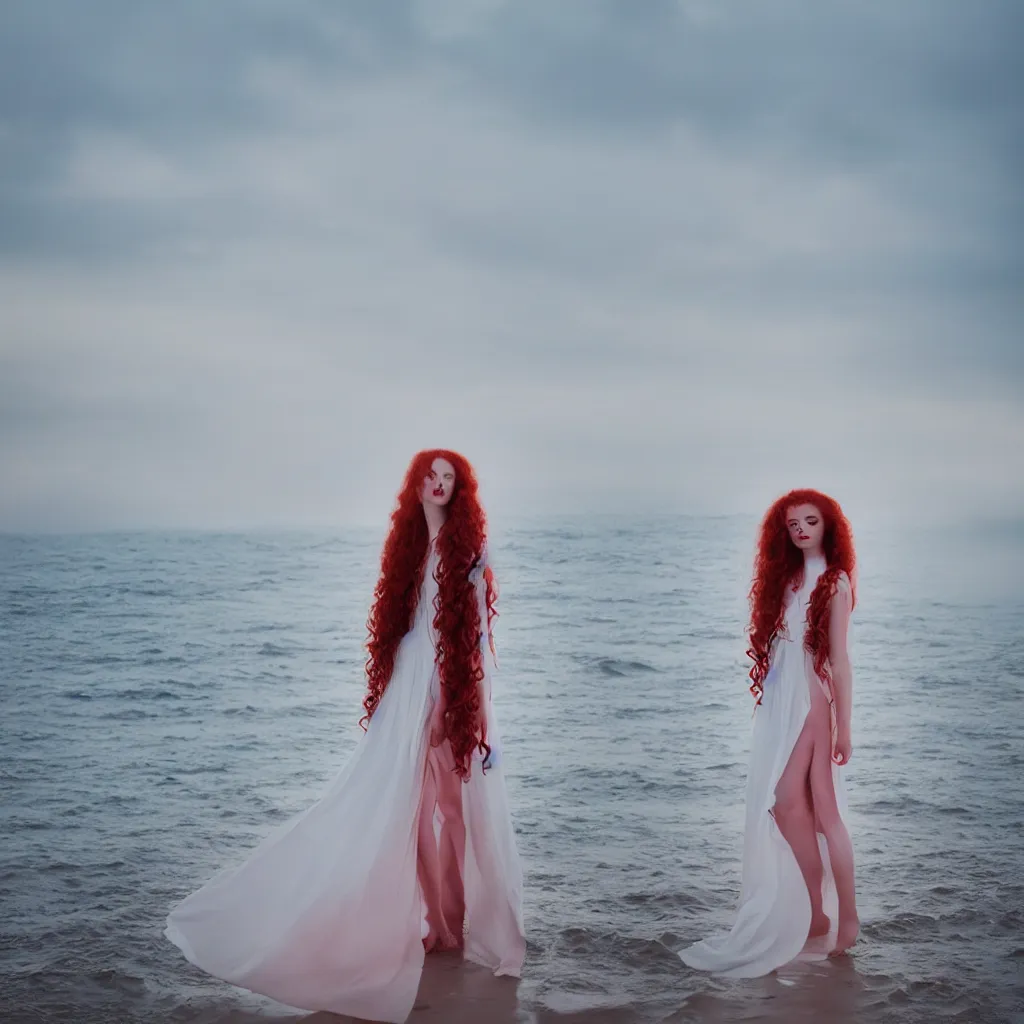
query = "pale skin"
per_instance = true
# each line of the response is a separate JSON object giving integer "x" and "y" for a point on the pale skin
{"x": 805, "y": 800}
{"x": 440, "y": 861}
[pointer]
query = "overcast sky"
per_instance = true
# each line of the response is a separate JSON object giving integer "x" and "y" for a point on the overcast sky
{"x": 635, "y": 255}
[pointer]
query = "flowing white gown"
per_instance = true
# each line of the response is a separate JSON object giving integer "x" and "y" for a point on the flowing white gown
{"x": 774, "y": 914}
{"x": 327, "y": 913}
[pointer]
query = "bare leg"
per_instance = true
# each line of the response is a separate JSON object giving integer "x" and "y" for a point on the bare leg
{"x": 794, "y": 814}
{"x": 840, "y": 849}
{"x": 452, "y": 844}
{"x": 428, "y": 867}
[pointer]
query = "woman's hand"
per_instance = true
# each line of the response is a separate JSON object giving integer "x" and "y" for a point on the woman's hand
{"x": 842, "y": 748}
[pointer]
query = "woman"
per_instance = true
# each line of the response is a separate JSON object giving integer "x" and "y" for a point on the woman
{"x": 798, "y": 880}
{"x": 411, "y": 848}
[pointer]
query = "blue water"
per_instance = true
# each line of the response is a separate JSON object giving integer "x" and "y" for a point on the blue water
{"x": 168, "y": 698}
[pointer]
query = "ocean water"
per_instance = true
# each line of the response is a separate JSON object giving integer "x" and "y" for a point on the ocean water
{"x": 168, "y": 698}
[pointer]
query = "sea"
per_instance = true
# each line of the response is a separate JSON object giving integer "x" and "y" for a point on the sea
{"x": 168, "y": 698}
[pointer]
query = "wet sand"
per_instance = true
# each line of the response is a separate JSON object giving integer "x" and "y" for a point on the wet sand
{"x": 836, "y": 992}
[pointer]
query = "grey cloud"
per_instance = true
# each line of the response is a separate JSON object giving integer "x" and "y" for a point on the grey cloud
{"x": 850, "y": 79}
{"x": 235, "y": 235}
{"x": 177, "y": 76}
{"x": 899, "y": 92}
{"x": 838, "y": 74}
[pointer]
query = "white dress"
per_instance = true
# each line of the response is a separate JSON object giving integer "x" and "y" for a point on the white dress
{"x": 774, "y": 914}
{"x": 327, "y": 913}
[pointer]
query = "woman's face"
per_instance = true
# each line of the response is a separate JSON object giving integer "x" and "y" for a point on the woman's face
{"x": 439, "y": 483}
{"x": 806, "y": 526}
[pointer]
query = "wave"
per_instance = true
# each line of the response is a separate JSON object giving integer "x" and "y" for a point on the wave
{"x": 269, "y": 650}
{"x": 619, "y": 668}
{"x": 902, "y": 926}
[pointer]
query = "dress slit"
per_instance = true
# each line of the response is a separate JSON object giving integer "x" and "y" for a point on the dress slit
{"x": 807, "y": 727}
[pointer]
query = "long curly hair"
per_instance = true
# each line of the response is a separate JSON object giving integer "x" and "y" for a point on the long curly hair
{"x": 456, "y": 612}
{"x": 778, "y": 564}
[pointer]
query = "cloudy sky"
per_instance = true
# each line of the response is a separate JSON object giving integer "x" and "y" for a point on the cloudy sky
{"x": 625, "y": 254}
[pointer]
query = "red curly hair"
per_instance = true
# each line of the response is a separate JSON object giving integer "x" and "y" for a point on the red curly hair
{"x": 778, "y": 564}
{"x": 456, "y": 612}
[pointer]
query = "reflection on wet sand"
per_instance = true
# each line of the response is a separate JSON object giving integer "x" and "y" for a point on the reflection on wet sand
{"x": 451, "y": 991}
{"x": 832, "y": 991}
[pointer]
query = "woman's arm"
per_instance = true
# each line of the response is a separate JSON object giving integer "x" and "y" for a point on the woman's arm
{"x": 842, "y": 671}
{"x": 482, "y": 579}
{"x": 483, "y": 686}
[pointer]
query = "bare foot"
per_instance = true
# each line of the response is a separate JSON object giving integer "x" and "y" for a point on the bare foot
{"x": 848, "y": 931}
{"x": 440, "y": 942}
{"x": 820, "y": 925}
